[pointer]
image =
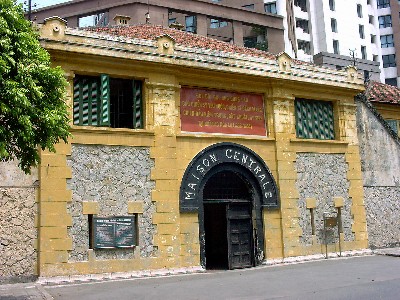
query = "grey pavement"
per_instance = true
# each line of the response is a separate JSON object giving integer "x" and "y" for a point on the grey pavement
{"x": 36, "y": 291}
{"x": 23, "y": 291}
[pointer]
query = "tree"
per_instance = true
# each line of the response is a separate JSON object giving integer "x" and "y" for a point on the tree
{"x": 261, "y": 32}
{"x": 33, "y": 113}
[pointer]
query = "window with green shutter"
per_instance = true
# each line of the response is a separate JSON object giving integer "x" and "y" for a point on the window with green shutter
{"x": 314, "y": 119}
{"x": 394, "y": 124}
{"x": 106, "y": 101}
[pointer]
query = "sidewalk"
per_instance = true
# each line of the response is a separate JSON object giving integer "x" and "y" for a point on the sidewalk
{"x": 23, "y": 291}
{"x": 35, "y": 291}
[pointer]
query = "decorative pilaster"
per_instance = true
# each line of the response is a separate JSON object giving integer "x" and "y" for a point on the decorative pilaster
{"x": 284, "y": 122}
{"x": 165, "y": 195}
{"x": 53, "y": 218}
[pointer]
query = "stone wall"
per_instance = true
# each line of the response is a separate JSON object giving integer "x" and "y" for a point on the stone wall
{"x": 380, "y": 162}
{"x": 18, "y": 208}
{"x": 322, "y": 177}
{"x": 110, "y": 176}
{"x": 383, "y": 216}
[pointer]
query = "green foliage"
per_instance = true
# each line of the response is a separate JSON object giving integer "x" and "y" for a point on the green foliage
{"x": 260, "y": 31}
{"x": 33, "y": 113}
{"x": 262, "y": 46}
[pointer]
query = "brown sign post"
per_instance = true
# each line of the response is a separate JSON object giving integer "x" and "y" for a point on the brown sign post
{"x": 331, "y": 222}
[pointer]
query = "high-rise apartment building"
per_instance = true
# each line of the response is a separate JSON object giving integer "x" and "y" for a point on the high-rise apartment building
{"x": 332, "y": 33}
{"x": 387, "y": 12}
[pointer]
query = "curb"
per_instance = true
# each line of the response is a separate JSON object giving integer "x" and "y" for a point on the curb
{"x": 395, "y": 252}
{"x": 317, "y": 257}
{"x": 49, "y": 281}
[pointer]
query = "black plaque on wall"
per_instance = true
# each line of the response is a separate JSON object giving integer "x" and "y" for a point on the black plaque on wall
{"x": 114, "y": 232}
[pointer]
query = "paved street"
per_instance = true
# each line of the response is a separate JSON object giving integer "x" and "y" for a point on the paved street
{"x": 369, "y": 277}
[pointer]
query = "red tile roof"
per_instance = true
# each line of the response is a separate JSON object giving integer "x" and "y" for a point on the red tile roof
{"x": 151, "y": 32}
{"x": 382, "y": 93}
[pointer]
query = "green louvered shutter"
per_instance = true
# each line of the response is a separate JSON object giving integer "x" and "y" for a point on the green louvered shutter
{"x": 392, "y": 124}
{"x": 86, "y": 95}
{"x": 104, "y": 100}
{"x": 303, "y": 119}
{"x": 137, "y": 104}
{"x": 77, "y": 102}
{"x": 314, "y": 119}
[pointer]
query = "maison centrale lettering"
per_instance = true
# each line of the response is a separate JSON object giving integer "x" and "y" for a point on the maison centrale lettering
{"x": 194, "y": 175}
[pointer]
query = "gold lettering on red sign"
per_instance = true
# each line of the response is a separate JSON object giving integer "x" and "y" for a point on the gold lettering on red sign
{"x": 222, "y": 112}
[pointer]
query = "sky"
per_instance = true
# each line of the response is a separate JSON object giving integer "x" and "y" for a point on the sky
{"x": 43, "y": 3}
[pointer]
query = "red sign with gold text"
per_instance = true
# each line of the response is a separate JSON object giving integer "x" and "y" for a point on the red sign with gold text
{"x": 222, "y": 112}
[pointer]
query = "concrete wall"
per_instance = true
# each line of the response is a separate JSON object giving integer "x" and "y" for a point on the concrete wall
{"x": 18, "y": 209}
{"x": 333, "y": 61}
{"x": 380, "y": 162}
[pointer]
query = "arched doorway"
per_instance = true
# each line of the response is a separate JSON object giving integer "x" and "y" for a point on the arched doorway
{"x": 228, "y": 222}
{"x": 229, "y": 186}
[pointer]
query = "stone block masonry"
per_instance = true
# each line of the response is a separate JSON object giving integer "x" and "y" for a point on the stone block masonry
{"x": 380, "y": 163}
{"x": 18, "y": 233}
{"x": 383, "y": 216}
{"x": 322, "y": 177}
{"x": 113, "y": 177}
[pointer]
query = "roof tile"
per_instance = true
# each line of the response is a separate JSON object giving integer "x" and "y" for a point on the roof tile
{"x": 382, "y": 93}
{"x": 151, "y": 32}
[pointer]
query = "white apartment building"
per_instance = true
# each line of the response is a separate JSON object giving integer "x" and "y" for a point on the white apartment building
{"x": 387, "y": 12}
{"x": 332, "y": 33}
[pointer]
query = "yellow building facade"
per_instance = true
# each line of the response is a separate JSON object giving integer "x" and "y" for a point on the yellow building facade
{"x": 229, "y": 160}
